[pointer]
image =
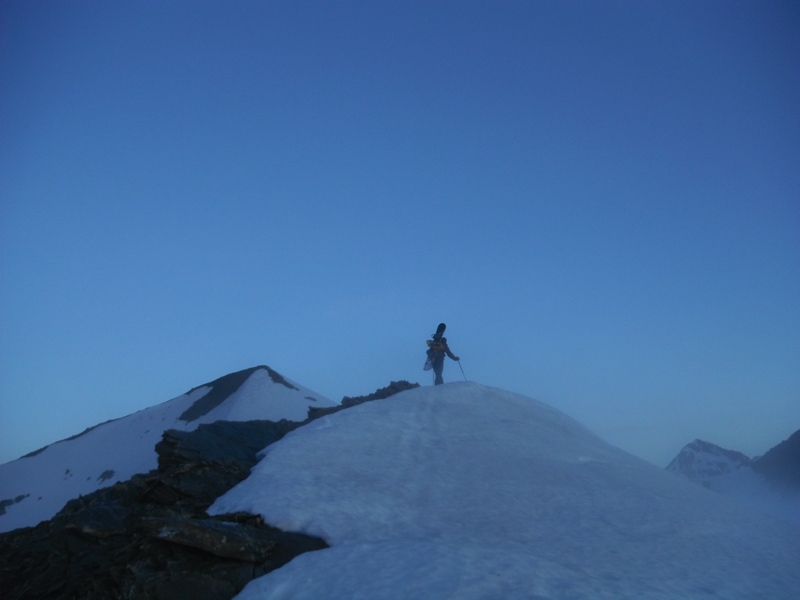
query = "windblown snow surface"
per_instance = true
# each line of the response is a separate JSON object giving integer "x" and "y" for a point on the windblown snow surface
{"x": 463, "y": 491}
{"x": 35, "y": 487}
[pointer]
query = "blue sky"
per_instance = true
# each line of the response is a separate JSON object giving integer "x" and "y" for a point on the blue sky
{"x": 600, "y": 199}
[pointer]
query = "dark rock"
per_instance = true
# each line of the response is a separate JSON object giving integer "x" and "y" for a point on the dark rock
{"x": 106, "y": 475}
{"x": 781, "y": 464}
{"x": 191, "y": 586}
{"x": 221, "y": 389}
{"x": 224, "y": 441}
{"x": 227, "y": 540}
{"x": 10, "y": 502}
{"x": 279, "y": 379}
{"x": 394, "y": 387}
{"x": 103, "y": 519}
{"x": 150, "y": 537}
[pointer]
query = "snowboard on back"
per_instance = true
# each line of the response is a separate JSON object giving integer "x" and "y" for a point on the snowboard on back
{"x": 436, "y": 338}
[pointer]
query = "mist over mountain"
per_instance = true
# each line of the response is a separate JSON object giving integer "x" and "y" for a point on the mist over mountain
{"x": 769, "y": 483}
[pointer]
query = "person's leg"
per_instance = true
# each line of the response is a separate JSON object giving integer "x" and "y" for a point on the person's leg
{"x": 438, "y": 367}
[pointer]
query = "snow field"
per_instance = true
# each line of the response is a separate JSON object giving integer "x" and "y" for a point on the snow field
{"x": 463, "y": 491}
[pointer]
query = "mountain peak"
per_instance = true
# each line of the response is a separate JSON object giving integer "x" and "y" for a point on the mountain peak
{"x": 700, "y": 460}
{"x": 33, "y": 488}
{"x": 223, "y": 388}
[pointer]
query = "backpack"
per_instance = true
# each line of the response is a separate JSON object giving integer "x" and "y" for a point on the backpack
{"x": 437, "y": 344}
{"x": 434, "y": 346}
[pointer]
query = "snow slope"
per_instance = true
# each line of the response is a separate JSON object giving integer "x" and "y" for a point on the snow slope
{"x": 463, "y": 491}
{"x": 35, "y": 487}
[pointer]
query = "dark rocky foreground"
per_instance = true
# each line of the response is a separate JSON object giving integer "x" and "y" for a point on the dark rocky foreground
{"x": 150, "y": 537}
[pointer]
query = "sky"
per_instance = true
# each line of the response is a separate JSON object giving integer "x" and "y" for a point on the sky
{"x": 600, "y": 199}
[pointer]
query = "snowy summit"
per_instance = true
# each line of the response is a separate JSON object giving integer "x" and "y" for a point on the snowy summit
{"x": 35, "y": 487}
{"x": 463, "y": 491}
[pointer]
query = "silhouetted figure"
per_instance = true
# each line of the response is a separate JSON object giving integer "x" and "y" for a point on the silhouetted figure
{"x": 437, "y": 348}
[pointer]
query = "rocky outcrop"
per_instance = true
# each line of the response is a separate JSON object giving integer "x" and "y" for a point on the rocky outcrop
{"x": 223, "y": 441}
{"x": 11, "y": 502}
{"x": 150, "y": 537}
{"x": 781, "y": 464}
{"x": 394, "y": 387}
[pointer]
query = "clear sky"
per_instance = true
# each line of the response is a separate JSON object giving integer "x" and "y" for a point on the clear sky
{"x": 600, "y": 199}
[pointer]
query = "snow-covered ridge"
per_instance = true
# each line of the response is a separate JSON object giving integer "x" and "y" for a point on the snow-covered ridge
{"x": 455, "y": 491}
{"x": 463, "y": 491}
{"x": 33, "y": 488}
{"x": 769, "y": 483}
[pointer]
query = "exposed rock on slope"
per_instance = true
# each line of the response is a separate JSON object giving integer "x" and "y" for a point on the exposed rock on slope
{"x": 150, "y": 537}
{"x": 781, "y": 464}
{"x": 394, "y": 387}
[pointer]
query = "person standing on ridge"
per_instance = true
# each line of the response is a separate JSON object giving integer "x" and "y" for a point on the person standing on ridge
{"x": 437, "y": 348}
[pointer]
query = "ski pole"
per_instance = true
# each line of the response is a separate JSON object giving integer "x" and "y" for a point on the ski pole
{"x": 462, "y": 369}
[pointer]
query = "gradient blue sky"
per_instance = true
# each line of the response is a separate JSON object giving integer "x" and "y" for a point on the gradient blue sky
{"x": 600, "y": 199}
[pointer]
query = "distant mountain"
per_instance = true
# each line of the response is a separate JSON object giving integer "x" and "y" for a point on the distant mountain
{"x": 35, "y": 487}
{"x": 769, "y": 483}
{"x": 702, "y": 461}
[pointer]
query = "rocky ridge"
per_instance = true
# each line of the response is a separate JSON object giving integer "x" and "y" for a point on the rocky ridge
{"x": 150, "y": 537}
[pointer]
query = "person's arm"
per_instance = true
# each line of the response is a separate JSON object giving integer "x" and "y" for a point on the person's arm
{"x": 450, "y": 354}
